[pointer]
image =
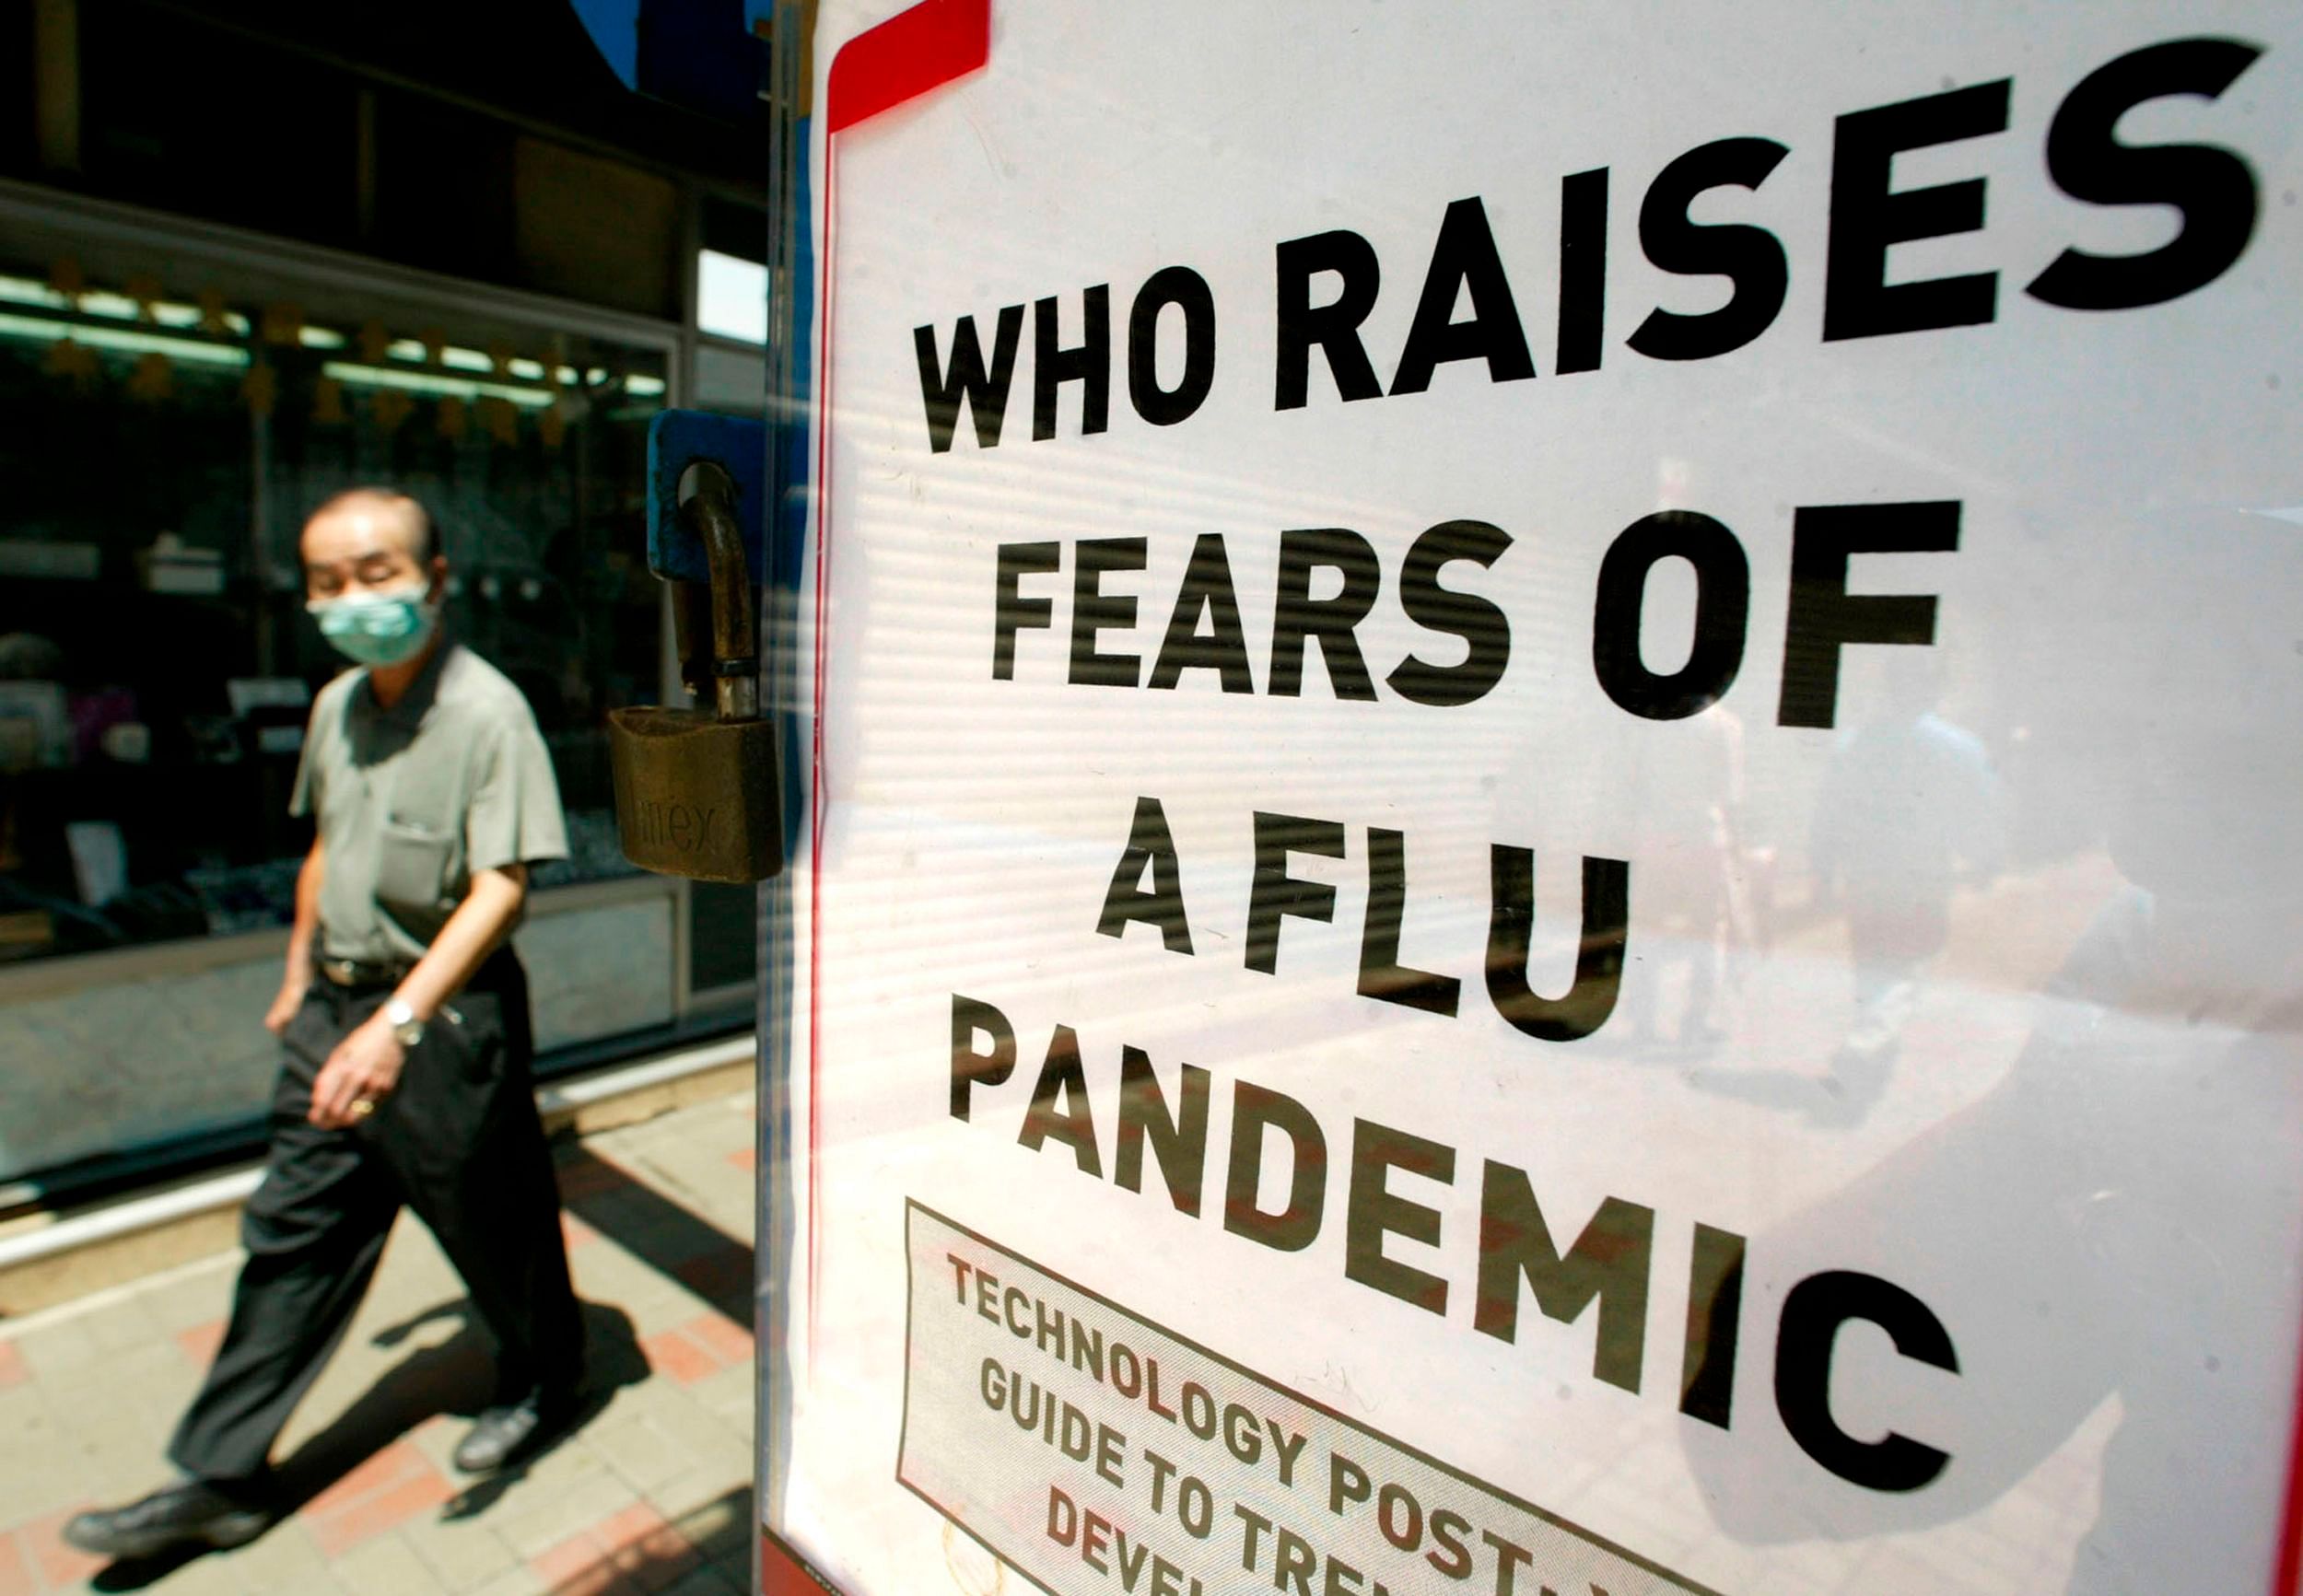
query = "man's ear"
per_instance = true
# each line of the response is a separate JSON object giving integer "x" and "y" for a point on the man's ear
{"x": 436, "y": 589}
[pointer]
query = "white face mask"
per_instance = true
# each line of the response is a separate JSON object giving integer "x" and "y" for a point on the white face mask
{"x": 377, "y": 628}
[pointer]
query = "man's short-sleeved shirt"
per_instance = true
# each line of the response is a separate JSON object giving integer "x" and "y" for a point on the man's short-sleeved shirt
{"x": 412, "y": 800}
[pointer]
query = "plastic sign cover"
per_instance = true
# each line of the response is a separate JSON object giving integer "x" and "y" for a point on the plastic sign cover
{"x": 1553, "y": 840}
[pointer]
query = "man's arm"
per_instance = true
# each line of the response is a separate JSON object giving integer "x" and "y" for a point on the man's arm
{"x": 367, "y": 1064}
{"x": 299, "y": 974}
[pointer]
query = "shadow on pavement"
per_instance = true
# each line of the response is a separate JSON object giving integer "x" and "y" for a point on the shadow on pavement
{"x": 453, "y": 1377}
{"x": 658, "y": 1231}
{"x": 719, "y": 1535}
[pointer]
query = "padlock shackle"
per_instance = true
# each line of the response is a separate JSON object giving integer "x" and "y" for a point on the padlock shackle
{"x": 710, "y": 514}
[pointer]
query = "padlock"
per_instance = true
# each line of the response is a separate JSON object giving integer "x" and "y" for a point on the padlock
{"x": 695, "y": 790}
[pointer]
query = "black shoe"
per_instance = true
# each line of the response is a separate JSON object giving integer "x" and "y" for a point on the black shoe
{"x": 505, "y": 1434}
{"x": 190, "y": 1515}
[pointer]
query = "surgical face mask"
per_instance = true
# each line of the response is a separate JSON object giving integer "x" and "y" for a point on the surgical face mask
{"x": 377, "y": 628}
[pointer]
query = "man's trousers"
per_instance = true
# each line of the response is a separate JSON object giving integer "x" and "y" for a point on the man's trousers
{"x": 459, "y": 1141}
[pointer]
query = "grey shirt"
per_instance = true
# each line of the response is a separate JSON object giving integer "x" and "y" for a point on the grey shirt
{"x": 413, "y": 800}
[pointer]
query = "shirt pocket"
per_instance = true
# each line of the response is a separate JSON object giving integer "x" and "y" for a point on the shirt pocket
{"x": 412, "y": 860}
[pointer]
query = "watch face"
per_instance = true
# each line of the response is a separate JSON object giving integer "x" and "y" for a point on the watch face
{"x": 407, "y": 1029}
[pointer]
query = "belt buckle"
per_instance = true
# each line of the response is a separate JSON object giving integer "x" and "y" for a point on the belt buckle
{"x": 342, "y": 971}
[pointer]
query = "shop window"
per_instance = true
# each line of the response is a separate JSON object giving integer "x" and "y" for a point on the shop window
{"x": 156, "y": 662}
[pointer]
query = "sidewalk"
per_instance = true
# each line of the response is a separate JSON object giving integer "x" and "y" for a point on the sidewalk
{"x": 652, "y": 1492}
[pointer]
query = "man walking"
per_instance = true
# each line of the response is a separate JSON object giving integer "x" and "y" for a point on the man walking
{"x": 405, "y": 1024}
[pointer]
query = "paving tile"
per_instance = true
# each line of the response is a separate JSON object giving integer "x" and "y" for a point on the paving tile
{"x": 518, "y": 1580}
{"x": 546, "y": 1524}
{"x": 638, "y": 1451}
{"x": 745, "y": 1159}
{"x": 386, "y": 1509}
{"x": 12, "y": 1369}
{"x": 40, "y": 1471}
{"x": 462, "y": 1552}
{"x": 671, "y": 1353}
{"x": 600, "y": 1579}
{"x": 728, "y": 1396}
{"x": 57, "y": 1565}
{"x": 575, "y": 1233}
{"x": 387, "y": 1567}
{"x": 674, "y": 1410}
{"x": 633, "y": 1550}
{"x": 702, "y": 1490}
{"x": 657, "y": 1560}
{"x": 118, "y": 1326}
{"x": 96, "y": 1383}
{"x": 658, "y": 1306}
{"x": 54, "y": 1350}
{"x": 194, "y": 1295}
{"x": 200, "y": 1342}
{"x": 317, "y": 1580}
{"x": 591, "y": 1176}
{"x": 561, "y": 1468}
{"x": 16, "y": 1578}
{"x": 391, "y": 1465}
{"x": 722, "y": 1274}
{"x": 572, "y": 1559}
{"x": 731, "y": 1343}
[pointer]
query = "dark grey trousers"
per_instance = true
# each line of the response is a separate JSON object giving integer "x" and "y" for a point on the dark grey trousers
{"x": 458, "y": 1141}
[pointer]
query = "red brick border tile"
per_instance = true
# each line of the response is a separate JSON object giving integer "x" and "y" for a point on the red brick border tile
{"x": 201, "y": 1341}
{"x": 387, "y": 1510}
{"x": 573, "y": 1560}
{"x": 391, "y": 1465}
{"x": 670, "y": 1353}
{"x": 16, "y": 1566}
{"x": 384, "y": 1492}
{"x": 731, "y": 1343}
{"x": 632, "y": 1551}
{"x": 12, "y": 1369}
{"x": 59, "y": 1565}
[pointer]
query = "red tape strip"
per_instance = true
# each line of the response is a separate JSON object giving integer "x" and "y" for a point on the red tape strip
{"x": 905, "y": 56}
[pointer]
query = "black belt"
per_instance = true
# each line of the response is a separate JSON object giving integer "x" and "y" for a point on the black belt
{"x": 356, "y": 974}
{"x": 361, "y": 975}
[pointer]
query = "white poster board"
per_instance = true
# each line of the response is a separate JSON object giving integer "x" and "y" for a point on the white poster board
{"x": 1553, "y": 838}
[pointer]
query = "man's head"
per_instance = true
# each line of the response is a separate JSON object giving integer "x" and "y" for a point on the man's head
{"x": 374, "y": 577}
{"x": 369, "y": 539}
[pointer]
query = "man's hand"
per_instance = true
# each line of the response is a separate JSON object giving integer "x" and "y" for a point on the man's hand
{"x": 364, "y": 1069}
{"x": 284, "y": 1006}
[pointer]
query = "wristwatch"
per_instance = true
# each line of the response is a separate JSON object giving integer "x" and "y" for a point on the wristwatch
{"x": 407, "y": 1029}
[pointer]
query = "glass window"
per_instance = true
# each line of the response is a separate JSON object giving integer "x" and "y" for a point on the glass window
{"x": 156, "y": 661}
{"x": 731, "y": 297}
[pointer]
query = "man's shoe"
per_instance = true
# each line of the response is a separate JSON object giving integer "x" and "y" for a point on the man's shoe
{"x": 190, "y": 1515}
{"x": 505, "y": 1434}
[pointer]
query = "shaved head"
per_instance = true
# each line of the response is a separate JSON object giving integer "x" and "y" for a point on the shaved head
{"x": 368, "y": 537}
{"x": 393, "y": 509}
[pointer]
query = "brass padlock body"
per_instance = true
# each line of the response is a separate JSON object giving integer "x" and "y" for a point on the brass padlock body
{"x": 697, "y": 796}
